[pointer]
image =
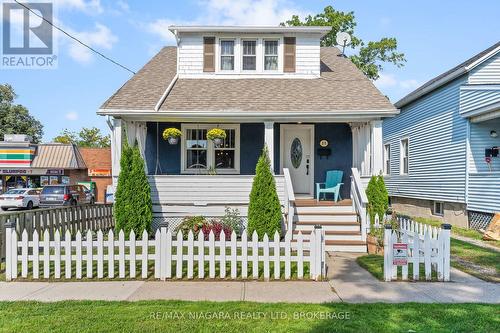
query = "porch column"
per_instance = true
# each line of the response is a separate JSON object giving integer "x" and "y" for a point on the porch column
{"x": 269, "y": 140}
{"x": 116, "y": 148}
{"x": 377, "y": 147}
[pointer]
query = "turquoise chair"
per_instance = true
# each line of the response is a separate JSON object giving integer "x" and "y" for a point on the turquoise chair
{"x": 331, "y": 185}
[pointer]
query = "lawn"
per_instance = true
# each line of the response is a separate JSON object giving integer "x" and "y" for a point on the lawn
{"x": 179, "y": 316}
{"x": 464, "y": 232}
{"x": 374, "y": 264}
{"x": 480, "y": 262}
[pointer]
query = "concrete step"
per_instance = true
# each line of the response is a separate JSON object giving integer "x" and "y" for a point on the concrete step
{"x": 323, "y": 209}
{"x": 327, "y": 226}
{"x": 345, "y": 246}
{"x": 347, "y": 217}
{"x": 332, "y": 235}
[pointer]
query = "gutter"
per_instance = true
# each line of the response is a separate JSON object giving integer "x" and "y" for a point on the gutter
{"x": 165, "y": 94}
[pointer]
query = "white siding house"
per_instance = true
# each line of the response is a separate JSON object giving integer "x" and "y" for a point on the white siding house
{"x": 449, "y": 123}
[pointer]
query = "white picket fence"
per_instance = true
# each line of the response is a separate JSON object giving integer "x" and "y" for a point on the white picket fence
{"x": 29, "y": 253}
{"x": 426, "y": 244}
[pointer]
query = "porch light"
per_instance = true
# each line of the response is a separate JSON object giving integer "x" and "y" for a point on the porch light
{"x": 493, "y": 134}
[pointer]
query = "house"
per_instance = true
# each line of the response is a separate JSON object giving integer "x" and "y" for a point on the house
{"x": 441, "y": 152}
{"x": 273, "y": 86}
{"x": 98, "y": 161}
{"x": 26, "y": 164}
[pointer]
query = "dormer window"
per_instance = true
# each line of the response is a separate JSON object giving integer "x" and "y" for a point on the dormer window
{"x": 271, "y": 55}
{"x": 227, "y": 55}
{"x": 249, "y": 55}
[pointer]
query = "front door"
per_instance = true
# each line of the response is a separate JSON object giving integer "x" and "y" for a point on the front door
{"x": 297, "y": 155}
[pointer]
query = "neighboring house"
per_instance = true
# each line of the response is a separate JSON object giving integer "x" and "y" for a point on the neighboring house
{"x": 98, "y": 161}
{"x": 441, "y": 151}
{"x": 271, "y": 86}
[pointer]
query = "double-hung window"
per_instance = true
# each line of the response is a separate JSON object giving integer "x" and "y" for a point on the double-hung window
{"x": 249, "y": 55}
{"x": 404, "y": 156}
{"x": 227, "y": 55}
{"x": 387, "y": 159}
{"x": 200, "y": 155}
{"x": 271, "y": 55}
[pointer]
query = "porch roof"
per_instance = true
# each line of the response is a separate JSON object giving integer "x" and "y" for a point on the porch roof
{"x": 341, "y": 88}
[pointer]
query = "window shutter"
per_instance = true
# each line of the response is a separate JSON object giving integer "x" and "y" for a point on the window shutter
{"x": 289, "y": 63}
{"x": 209, "y": 54}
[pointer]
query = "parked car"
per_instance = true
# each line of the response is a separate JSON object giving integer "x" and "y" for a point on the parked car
{"x": 64, "y": 195}
{"x": 20, "y": 198}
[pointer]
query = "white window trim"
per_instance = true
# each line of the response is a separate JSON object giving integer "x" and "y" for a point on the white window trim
{"x": 235, "y": 62}
{"x": 434, "y": 211}
{"x": 279, "y": 55}
{"x": 401, "y": 164}
{"x": 387, "y": 168}
{"x": 257, "y": 48}
{"x": 210, "y": 148}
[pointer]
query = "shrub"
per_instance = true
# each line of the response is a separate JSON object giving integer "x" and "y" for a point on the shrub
{"x": 232, "y": 219}
{"x": 194, "y": 223}
{"x": 378, "y": 199}
{"x": 133, "y": 205}
{"x": 217, "y": 227}
{"x": 171, "y": 133}
{"x": 264, "y": 210}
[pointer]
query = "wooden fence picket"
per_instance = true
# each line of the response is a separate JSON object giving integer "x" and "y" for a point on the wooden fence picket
{"x": 78, "y": 251}
{"x": 427, "y": 254}
{"x": 131, "y": 251}
{"x": 300, "y": 255}
{"x": 24, "y": 254}
{"x": 222, "y": 255}
{"x": 89, "y": 254}
{"x": 100, "y": 255}
{"x": 36, "y": 255}
{"x": 179, "y": 253}
{"x": 234, "y": 254}
{"x": 277, "y": 265}
{"x": 201, "y": 255}
{"x": 67, "y": 254}
{"x": 211, "y": 255}
{"x": 158, "y": 254}
{"x": 288, "y": 254}
{"x": 46, "y": 254}
{"x": 57, "y": 255}
{"x": 244, "y": 255}
{"x": 168, "y": 255}
{"x": 190, "y": 254}
{"x": 111, "y": 254}
{"x": 121, "y": 254}
{"x": 265, "y": 245}
{"x": 255, "y": 255}
{"x": 144, "y": 258}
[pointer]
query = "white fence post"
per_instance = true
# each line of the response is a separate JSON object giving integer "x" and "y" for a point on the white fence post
{"x": 445, "y": 232}
{"x": 319, "y": 256}
{"x": 387, "y": 252}
{"x": 10, "y": 228}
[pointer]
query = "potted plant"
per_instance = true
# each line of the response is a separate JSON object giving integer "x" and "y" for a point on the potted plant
{"x": 172, "y": 135}
{"x": 375, "y": 241}
{"x": 216, "y": 135}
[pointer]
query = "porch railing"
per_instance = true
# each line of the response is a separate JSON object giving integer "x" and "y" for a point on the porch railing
{"x": 359, "y": 201}
{"x": 289, "y": 199}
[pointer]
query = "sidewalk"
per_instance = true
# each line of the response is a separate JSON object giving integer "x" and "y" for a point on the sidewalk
{"x": 348, "y": 283}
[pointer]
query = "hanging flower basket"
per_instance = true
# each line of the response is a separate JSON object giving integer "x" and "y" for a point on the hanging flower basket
{"x": 217, "y": 135}
{"x": 172, "y": 135}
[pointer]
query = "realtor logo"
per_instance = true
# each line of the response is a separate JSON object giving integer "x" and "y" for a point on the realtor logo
{"x": 27, "y": 35}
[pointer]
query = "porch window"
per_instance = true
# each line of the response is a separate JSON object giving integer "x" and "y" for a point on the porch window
{"x": 249, "y": 55}
{"x": 404, "y": 156}
{"x": 200, "y": 154}
{"x": 271, "y": 55}
{"x": 227, "y": 55}
{"x": 387, "y": 159}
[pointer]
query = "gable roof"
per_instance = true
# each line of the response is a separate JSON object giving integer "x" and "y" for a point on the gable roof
{"x": 449, "y": 75}
{"x": 341, "y": 88}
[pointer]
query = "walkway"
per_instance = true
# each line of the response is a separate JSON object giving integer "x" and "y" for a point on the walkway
{"x": 348, "y": 283}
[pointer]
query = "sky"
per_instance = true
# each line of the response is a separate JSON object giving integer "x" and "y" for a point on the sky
{"x": 434, "y": 35}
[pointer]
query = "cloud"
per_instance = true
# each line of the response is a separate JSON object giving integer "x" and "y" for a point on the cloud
{"x": 386, "y": 80}
{"x": 72, "y": 115}
{"x": 231, "y": 12}
{"x": 409, "y": 84}
{"x": 124, "y": 7}
{"x": 100, "y": 37}
{"x": 390, "y": 84}
{"x": 90, "y": 6}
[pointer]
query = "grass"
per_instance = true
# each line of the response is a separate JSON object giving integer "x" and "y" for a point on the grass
{"x": 180, "y": 316}
{"x": 475, "y": 260}
{"x": 374, "y": 264}
{"x": 480, "y": 262}
{"x": 464, "y": 232}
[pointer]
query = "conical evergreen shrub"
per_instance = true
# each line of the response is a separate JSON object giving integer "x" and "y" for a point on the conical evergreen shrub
{"x": 264, "y": 210}
{"x": 133, "y": 205}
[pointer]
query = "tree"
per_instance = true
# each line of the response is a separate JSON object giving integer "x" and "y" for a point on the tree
{"x": 133, "y": 205}
{"x": 264, "y": 210}
{"x": 378, "y": 198}
{"x": 371, "y": 55}
{"x": 15, "y": 118}
{"x": 87, "y": 137}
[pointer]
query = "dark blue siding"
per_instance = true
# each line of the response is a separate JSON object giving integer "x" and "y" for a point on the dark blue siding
{"x": 169, "y": 156}
{"x": 251, "y": 143}
{"x": 339, "y": 137}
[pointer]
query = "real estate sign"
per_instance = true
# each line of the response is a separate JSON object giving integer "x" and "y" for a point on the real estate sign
{"x": 400, "y": 254}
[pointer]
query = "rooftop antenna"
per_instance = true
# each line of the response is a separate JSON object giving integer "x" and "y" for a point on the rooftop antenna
{"x": 343, "y": 39}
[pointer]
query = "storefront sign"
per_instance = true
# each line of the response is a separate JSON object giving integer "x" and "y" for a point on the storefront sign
{"x": 99, "y": 172}
{"x": 31, "y": 171}
{"x": 400, "y": 254}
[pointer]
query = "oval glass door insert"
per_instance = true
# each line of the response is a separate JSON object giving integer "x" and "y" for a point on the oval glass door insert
{"x": 296, "y": 153}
